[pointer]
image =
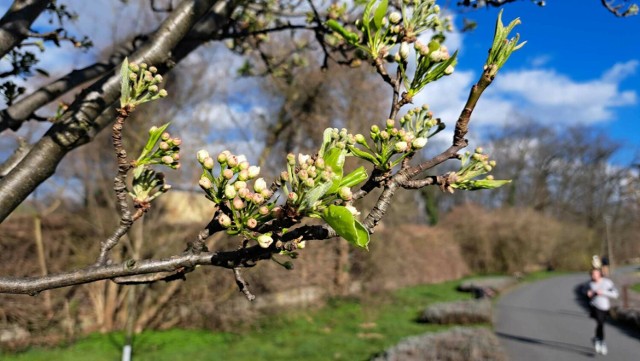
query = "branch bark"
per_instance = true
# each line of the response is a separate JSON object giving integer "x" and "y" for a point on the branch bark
{"x": 15, "y": 24}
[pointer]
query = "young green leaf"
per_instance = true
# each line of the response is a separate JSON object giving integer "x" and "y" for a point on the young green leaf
{"x": 354, "y": 178}
{"x": 379, "y": 14}
{"x": 343, "y": 222}
{"x": 124, "y": 83}
{"x": 154, "y": 136}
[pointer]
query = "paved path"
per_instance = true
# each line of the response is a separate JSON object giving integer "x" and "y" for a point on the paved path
{"x": 544, "y": 321}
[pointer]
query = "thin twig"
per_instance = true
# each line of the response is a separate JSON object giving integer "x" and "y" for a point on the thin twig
{"x": 243, "y": 285}
{"x": 120, "y": 188}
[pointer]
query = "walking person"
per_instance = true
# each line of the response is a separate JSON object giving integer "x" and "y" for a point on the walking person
{"x": 600, "y": 291}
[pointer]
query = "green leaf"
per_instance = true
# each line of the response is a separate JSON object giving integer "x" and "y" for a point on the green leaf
{"x": 354, "y": 178}
{"x": 334, "y": 158}
{"x": 480, "y": 184}
{"x": 380, "y": 12}
{"x": 154, "y": 136}
{"x": 326, "y": 139}
{"x": 314, "y": 194}
{"x": 124, "y": 83}
{"x": 363, "y": 155}
{"x": 350, "y": 37}
{"x": 343, "y": 222}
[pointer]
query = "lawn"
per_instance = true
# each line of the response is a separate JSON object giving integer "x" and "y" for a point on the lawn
{"x": 346, "y": 329}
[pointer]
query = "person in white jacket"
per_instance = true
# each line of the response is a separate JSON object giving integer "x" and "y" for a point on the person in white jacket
{"x": 600, "y": 290}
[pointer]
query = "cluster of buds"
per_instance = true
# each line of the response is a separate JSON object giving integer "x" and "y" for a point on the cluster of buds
{"x": 304, "y": 174}
{"x": 411, "y": 136}
{"x": 140, "y": 84}
{"x": 228, "y": 184}
{"x": 168, "y": 152}
{"x": 473, "y": 166}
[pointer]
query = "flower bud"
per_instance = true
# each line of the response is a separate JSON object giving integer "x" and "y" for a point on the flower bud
{"x": 237, "y": 203}
{"x": 448, "y": 70}
{"x": 404, "y": 51}
{"x": 320, "y": 163}
{"x": 224, "y": 220}
{"x": 492, "y": 163}
{"x": 291, "y": 159}
{"x": 205, "y": 183}
{"x": 242, "y": 158}
{"x": 479, "y": 150}
{"x": 264, "y": 210}
{"x": 257, "y": 198}
{"x": 292, "y": 197}
{"x": 488, "y": 168}
{"x": 153, "y": 69}
{"x": 284, "y": 176}
{"x": 243, "y": 175}
{"x": 395, "y": 17}
{"x": 202, "y": 155}
{"x": 232, "y": 161}
{"x": 244, "y": 165}
{"x": 157, "y": 78}
{"x": 345, "y": 193}
{"x": 401, "y": 147}
{"x": 302, "y": 158}
{"x": 390, "y": 123}
{"x": 165, "y": 136}
{"x": 384, "y": 135}
{"x": 309, "y": 182}
{"x": 419, "y": 143}
{"x": 208, "y": 163}
{"x": 244, "y": 193}
{"x": 302, "y": 174}
{"x": 175, "y": 156}
{"x": 229, "y": 191}
{"x": 264, "y": 240}
{"x": 132, "y": 77}
{"x": 352, "y": 209}
{"x": 239, "y": 185}
{"x": 227, "y": 174}
{"x": 267, "y": 193}
{"x": 153, "y": 129}
{"x": 222, "y": 158}
{"x": 489, "y": 177}
{"x": 259, "y": 185}
{"x": 143, "y": 66}
{"x": 164, "y": 146}
{"x": 254, "y": 171}
{"x": 167, "y": 159}
{"x": 360, "y": 139}
{"x": 162, "y": 93}
{"x": 134, "y": 67}
{"x": 252, "y": 223}
{"x": 176, "y": 141}
{"x": 301, "y": 244}
{"x": 375, "y": 129}
{"x": 153, "y": 89}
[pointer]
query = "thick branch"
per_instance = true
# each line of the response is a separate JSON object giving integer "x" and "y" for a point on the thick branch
{"x": 462, "y": 124}
{"x": 15, "y": 24}
{"x": 13, "y": 116}
{"x": 78, "y": 123}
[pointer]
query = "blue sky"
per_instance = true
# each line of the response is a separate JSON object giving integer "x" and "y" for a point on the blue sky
{"x": 581, "y": 65}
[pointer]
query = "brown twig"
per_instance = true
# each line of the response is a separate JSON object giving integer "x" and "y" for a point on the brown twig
{"x": 243, "y": 285}
{"x": 120, "y": 188}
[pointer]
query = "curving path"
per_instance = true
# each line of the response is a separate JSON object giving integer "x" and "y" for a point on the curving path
{"x": 544, "y": 321}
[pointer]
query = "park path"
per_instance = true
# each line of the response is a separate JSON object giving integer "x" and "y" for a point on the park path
{"x": 545, "y": 321}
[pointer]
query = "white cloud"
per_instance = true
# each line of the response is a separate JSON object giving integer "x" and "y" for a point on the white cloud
{"x": 544, "y": 95}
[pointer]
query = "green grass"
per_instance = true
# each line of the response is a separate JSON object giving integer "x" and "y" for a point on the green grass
{"x": 635, "y": 287}
{"x": 343, "y": 330}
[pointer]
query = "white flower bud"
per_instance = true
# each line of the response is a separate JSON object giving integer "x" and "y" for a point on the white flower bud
{"x": 395, "y": 17}
{"x": 264, "y": 240}
{"x": 448, "y": 70}
{"x": 401, "y": 147}
{"x": 229, "y": 191}
{"x": 202, "y": 155}
{"x": 404, "y": 51}
{"x": 419, "y": 143}
{"x": 253, "y": 171}
{"x": 205, "y": 183}
{"x": 259, "y": 185}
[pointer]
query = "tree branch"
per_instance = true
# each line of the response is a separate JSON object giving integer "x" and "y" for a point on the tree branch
{"x": 78, "y": 123}
{"x": 15, "y": 24}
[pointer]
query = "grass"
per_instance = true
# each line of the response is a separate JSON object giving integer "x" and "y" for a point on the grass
{"x": 635, "y": 287}
{"x": 346, "y": 329}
